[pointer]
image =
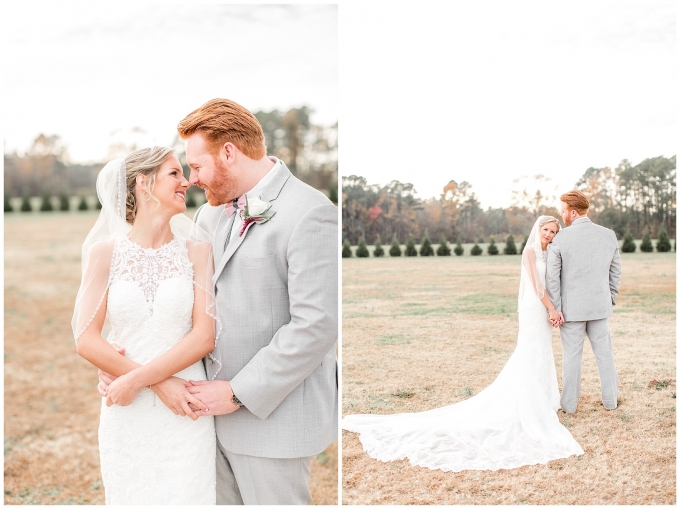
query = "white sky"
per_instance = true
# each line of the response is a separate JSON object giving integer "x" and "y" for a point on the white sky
{"x": 92, "y": 72}
{"x": 491, "y": 91}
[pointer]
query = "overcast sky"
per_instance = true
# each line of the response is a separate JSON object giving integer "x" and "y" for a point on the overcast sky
{"x": 488, "y": 92}
{"x": 96, "y": 73}
{"x": 482, "y": 91}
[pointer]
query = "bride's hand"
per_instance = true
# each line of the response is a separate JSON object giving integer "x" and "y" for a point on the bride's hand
{"x": 121, "y": 391}
{"x": 174, "y": 395}
{"x": 554, "y": 317}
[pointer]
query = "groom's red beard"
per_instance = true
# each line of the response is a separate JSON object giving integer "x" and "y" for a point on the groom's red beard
{"x": 222, "y": 188}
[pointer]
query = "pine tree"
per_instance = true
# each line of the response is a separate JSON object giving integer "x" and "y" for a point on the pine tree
{"x": 25, "y": 204}
{"x": 663, "y": 245}
{"x": 63, "y": 202}
{"x": 362, "y": 250}
{"x": 646, "y": 244}
{"x": 492, "y": 249}
{"x": 378, "y": 251}
{"x": 510, "y": 248}
{"x": 191, "y": 200}
{"x": 410, "y": 248}
{"x": 8, "y": 205}
{"x": 346, "y": 249}
{"x": 426, "y": 246}
{"x": 46, "y": 203}
{"x": 333, "y": 193}
{"x": 524, "y": 244}
{"x": 476, "y": 250}
{"x": 83, "y": 204}
{"x": 628, "y": 243}
{"x": 395, "y": 248}
{"x": 459, "y": 249}
{"x": 443, "y": 249}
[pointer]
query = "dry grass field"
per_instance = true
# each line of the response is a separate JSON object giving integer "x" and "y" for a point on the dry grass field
{"x": 421, "y": 333}
{"x": 51, "y": 401}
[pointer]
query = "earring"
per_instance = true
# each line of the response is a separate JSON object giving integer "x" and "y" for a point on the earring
{"x": 146, "y": 199}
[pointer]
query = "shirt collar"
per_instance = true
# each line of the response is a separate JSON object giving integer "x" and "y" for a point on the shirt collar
{"x": 253, "y": 193}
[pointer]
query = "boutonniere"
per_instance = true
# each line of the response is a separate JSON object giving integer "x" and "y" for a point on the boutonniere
{"x": 255, "y": 211}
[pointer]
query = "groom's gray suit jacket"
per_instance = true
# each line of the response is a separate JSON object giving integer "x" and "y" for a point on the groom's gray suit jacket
{"x": 584, "y": 271}
{"x": 277, "y": 298}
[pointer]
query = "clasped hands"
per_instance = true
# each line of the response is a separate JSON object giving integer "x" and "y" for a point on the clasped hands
{"x": 193, "y": 398}
{"x": 555, "y": 318}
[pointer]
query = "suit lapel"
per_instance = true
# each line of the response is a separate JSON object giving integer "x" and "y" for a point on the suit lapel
{"x": 270, "y": 192}
{"x": 220, "y": 236}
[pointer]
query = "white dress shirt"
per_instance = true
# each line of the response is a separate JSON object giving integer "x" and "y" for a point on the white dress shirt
{"x": 253, "y": 193}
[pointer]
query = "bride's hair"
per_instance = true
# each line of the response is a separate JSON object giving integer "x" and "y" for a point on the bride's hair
{"x": 548, "y": 219}
{"x": 145, "y": 161}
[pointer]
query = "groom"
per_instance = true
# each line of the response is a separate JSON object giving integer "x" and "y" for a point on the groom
{"x": 276, "y": 282}
{"x": 582, "y": 280}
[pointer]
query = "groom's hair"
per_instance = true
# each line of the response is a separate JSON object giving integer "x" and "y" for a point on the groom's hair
{"x": 222, "y": 121}
{"x": 577, "y": 201}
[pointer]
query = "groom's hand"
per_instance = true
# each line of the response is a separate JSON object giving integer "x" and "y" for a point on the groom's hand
{"x": 173, "y": 392}
{"x": 216, "y": 395}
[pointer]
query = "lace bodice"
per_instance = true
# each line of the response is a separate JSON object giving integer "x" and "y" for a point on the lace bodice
{"x": 151, "y": 296}
{"x": 149, "y": 267}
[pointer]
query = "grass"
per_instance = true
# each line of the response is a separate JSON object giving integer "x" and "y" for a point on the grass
{"x": 51, "y": 402}
{"x": 456, "y": 344}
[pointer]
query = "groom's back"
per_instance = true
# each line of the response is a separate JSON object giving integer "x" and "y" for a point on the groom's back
{"x": 589, "y": 271}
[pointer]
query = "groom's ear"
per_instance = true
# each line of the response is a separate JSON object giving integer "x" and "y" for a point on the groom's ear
{"x": 228, "y": 151}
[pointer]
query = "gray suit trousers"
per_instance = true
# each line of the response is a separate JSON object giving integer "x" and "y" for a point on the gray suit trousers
{"x": 573, "y": 336}
{"x": 250, "y": 480}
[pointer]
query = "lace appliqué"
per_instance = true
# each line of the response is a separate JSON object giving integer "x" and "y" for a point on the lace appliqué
{"x": 149, "y": 267}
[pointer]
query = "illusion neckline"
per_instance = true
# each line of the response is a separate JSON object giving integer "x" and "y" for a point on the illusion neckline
{"x": 150, "y": 249}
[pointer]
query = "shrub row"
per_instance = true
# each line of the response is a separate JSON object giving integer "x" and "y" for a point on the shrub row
{"x": 46, "y": 204}
{"x": 663, "y": 244}
{"x": 64, "y": 203}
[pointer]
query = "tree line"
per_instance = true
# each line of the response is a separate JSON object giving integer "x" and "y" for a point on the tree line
{"x": 310, "y": 151}
{"x": 626, "y": 198}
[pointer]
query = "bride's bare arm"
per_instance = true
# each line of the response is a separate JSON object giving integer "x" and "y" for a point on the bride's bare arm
{"x": 529, "y": 261}
{"x": 93, "y": 347}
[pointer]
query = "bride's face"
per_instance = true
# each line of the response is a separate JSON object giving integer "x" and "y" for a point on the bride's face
{"x": 547, "y": 233}
{"x": 171, "y": 187}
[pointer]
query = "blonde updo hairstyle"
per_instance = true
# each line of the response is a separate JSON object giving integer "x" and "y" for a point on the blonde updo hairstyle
{"x": 145, "y": 161}
{"x": 548, "y": 219}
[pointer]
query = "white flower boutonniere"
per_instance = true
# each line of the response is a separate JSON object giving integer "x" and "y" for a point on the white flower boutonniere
{"x": 255, "y": 211}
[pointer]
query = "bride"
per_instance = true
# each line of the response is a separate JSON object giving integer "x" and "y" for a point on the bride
{"x": 149, "y": 268}
{"x": 512, "y": 422}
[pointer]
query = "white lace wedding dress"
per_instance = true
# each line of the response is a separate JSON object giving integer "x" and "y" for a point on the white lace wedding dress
{"x": 511, "y": 423}
{"x": 148, "y": 454}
